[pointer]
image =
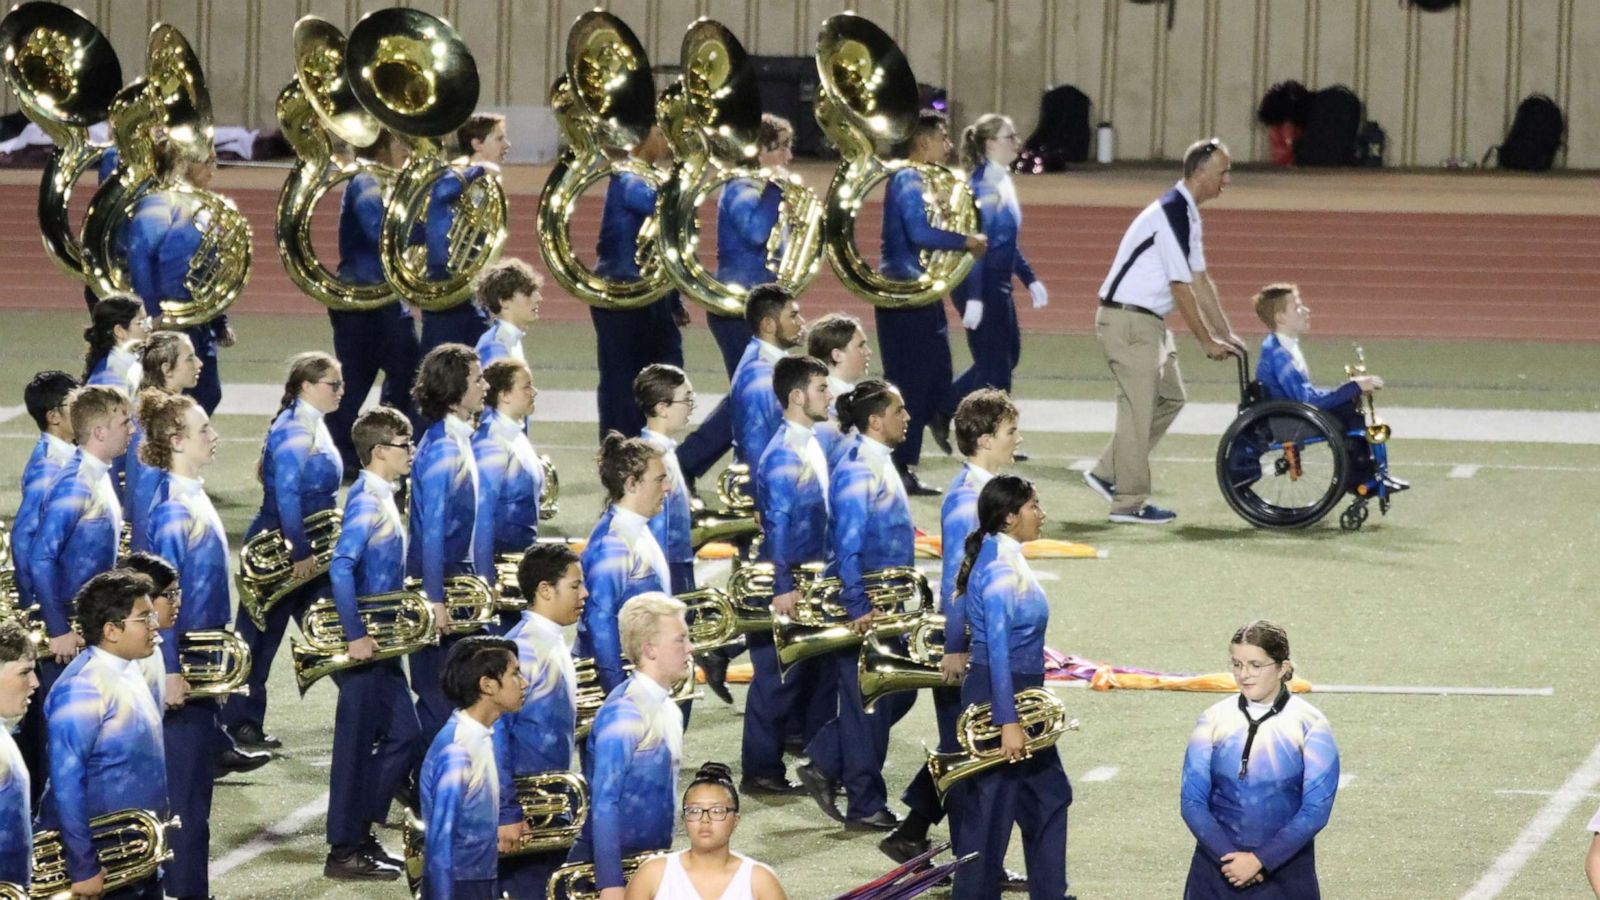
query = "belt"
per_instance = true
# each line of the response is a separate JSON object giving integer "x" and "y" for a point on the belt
{"x": 1129, "y": 307}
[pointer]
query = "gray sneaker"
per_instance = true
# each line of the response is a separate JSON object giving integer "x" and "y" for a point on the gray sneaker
{"x": 1145, "y": 515}
{"x": 1106, "y": 490}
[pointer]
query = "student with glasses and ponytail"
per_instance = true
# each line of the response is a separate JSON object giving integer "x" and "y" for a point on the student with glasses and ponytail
{"x": 117, "y": 325}
{"x": 299, "y": 470}
{"x": 1009, "y": 614}
{"x": 708, "y": 868}
{"x": 1259, "y": 779}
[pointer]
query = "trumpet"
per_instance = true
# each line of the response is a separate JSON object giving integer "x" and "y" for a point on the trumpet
{"x": 550, "y": 494}
{"x": 575, "y": 881}
{"x": 131, "y": 845}
{"x": 716, "y": 620}
{"x": 1041, "y": 714}
{"x": 1377, "y": 429}
{"x": 867, "y": 96}
{"x": 266, "y": 567}
{"x": 882, "y": 669}
{"x": 899, "y": 594}
{"x": 401, "y": 622}
{"x": 554, "y": 806}
{"x": 591, "y": 696}
{"x": 215, "y": 662}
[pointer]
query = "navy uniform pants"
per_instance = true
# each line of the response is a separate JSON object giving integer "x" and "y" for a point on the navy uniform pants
{"x": 996, "y": 346}
{"x": 461, "y": 324}
{"x": 775, "y": 706}
{"x": 854, "y": 746}
{"x": 191, "y": 746}
{"x": 701, "y": 450}
{"x": 921, "y": 796}
{"x": 625, "y": 342}
{"x": 427, "y": 670}
{"x": 529, "y": 876}
{"x": 377, "y": 740}
{"x": 915, "y": 345}
{"x": 367, "y": 342}
{"x": 1032, "y": 794}
{"x": 251, "y": 709}
{"x": 1296, "y": 879}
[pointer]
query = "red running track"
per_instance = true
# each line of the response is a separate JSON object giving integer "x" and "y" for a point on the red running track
{"x": 1369, "y": 274}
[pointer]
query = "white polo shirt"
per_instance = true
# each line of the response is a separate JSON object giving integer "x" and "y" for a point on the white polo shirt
{"x": 1164, "y": 245}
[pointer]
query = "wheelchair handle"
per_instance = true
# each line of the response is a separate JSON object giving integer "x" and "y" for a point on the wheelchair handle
{"x": 1243, "y": 359}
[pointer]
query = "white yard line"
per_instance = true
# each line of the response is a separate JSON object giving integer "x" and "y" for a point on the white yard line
{"x": 1346, "y": 779}
{"x": 1101, "y": 773}
{"x": 1544, "y": 824}
{"x": 270, "y": 837}
{"x": 1462, "y": 471}
{"x": 1523, "y": 791}
{"x": 7, "y": 413}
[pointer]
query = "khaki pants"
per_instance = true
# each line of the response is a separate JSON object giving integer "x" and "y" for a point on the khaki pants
{"x": 1144, "y": 361}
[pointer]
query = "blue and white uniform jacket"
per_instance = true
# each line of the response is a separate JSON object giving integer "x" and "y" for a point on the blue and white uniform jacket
{"x": 792, "y": 496}
{"x": 186, "y": 531}
{"x": 510, "y": 480}
{"x": 1009, "y": 612}
{"x": 460, "y": 785}
{"x": 756, "y": 413}
{"x": 957, "y": 519}
{"x": 1001, "y": 217}
{"x": 621, "y": 560}
{"x": 444, "y": 506}
{"x": 871, "y": 521}
{"x": 634, "y": 751}
{"x": 80, "y": 524}
{"x": 539, "y": 737}
{"x": 906, "y": 229}
{"x": 50, "y": 454}
{"x": 300, "y": 473}
{"x": 370, "y": 557}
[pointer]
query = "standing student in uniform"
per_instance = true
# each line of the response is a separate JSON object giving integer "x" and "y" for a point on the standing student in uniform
{"x": 916, "y": 342}
{"x": 118, "y": 324}
{"x": 709, "y": 868}
{"x": 17, "y": 684}
{"x": 1009, "y": 615}
{"x": 666, "y": 399}
{"x": 377, "y": 740}
{"x": 510, "y": 473}
{"x": 1259, "y": 779}
{"x": 170, "y": 366}
{"x": 45, "y": 399}
{"x": 508, "y": 292}
{"x": 629, "y": 340}
{"x": 838, "y": 341}
{"x": 483, "y": 140}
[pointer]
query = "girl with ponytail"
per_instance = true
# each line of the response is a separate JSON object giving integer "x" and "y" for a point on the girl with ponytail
{"x": 299, "y": 470}
{"x": 1009, "y": 615}
{"x": 168, "y": 366}
{"x": 708, "y": 868}
{"x": 117, "y": 325}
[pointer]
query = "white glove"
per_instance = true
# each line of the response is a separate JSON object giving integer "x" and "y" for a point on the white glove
{"x": 973, "y": 314}
{"x": 1041, "y": 297}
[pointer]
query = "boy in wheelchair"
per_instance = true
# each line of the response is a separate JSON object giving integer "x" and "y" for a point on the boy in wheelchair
{"x": 1284, "y": 375}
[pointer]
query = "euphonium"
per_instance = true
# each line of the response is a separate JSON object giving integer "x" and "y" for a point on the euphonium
{"x": 316, "y": 104}
{"x": 131, "y": 845}
{"x": 65, "y": 74}
{"x": 1377, "y": 429}
{"x": 9, "y": 891}
{"x": 716, "y": 620}
{"x": 400, "y": 622}
{"x": 867, "y": 98}
{"x": 736, "y": 518}
{"x": 899, "y": 594}
{"x": 883, "y": 669}
{"x": 1040, "y": 713}
{"x": 215, "y": 662}
{"x": 414, "y": 74}
{"x": 468, "y": 599}
{"x": 554, "y": 805}
{"x": 604, "y": 102}
{"x": 575, "y": 881}
{"x": 266, "y": 567}
{"x": 712, "y": 119}
{"x": 550, "y": 496}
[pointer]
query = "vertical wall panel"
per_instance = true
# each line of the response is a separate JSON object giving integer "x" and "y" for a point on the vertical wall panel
{"x": 1432, "y": 121}
{"x": 1181, "y": 114}
{"x": 1236, "y": 92}
{"x": 1021, "y": 72}
{"x": 1386, "y": 66}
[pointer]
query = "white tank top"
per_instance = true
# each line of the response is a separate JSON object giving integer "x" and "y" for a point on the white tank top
{"x": 675, "y": 883}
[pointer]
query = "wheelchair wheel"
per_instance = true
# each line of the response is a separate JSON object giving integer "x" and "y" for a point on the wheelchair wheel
{"x": 1282, "y": 464}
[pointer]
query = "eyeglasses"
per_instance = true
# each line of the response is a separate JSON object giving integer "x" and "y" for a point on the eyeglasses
{"x": 408, "y": 446}
{"x": 1253, "y": 666}
{"x": 173, "y": 595}
{"x": 687, "y": 401}
{"x": 150, "y": 619}
{"x": 336, "y": 385}
{"x": 715, "y": 813}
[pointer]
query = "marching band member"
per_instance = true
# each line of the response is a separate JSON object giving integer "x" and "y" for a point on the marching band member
{"x": 483, "y": 139}
{"x": 869, "y": 528}
{"x": 628, "y": 340}
{"x": 508, "y": 291}
{"x": 510, "y": 473}
{"x": 988, "y": 147}
{"x": 161, "y": 240}
{"x": 45, "y": 398}
{"x": 186, "y": 531}
{"x": 746, "y": 215}
{"x": 1009, "y": 613}
{"x": 636, "y": 744}
{"x": 300, "y": 469}
{"x": 916, "y": 342}
{"x": 377, "y": 739}
{"x": 774, "y": 317}
{"x": 369, "y": 341}
{"x": 838, "y": 341}
{"x": 666, "y": 398}
{"x": 170, "y": 366}
{"x": 538, "y": 738}
{"x": 17, "y": 684}
{"x": 117, "y": 325}
{"x": 791, "y": 483}
{"x": 460, "y": 780}
{"x": 710, "y": 815}
{"x": 622, "y": 558}
{"x": 444, "y": 505}
{"x": 105, "y": 731}
{"x": 1259, "y": 779}
{"x": 166, "y": 598}
{"x": 988, "y": 435}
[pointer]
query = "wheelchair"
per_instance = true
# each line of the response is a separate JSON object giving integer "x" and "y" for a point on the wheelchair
{"x": 1285, "y": 464}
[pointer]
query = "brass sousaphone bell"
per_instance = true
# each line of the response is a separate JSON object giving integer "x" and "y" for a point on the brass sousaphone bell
{"x": 65, "y": 75}
{"x": 415, "y": 75}
{"x": 318, "y": 104}
{"x": 867, "y": 98}
{"x": 605, "y": 104}
{"x": 712, "y": 119}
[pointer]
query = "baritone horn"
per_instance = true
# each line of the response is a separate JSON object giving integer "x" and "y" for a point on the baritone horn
{"x": 883, "y": 669}
{"x": 604, "y": 102}
{"x": 550, "y": 494}
{"x": 1377, "y": 429}
{"x": 899, "y": 594}
{"x": 315, "y": 107}
{"x": 1041, "y": 714}
{"x": 591, "y": 696}
{"x": 712, "y": 120}
{"x": 469, "y": 601}
{"x": 401, "y": 622}
{"x": 65, "y": 75}
{"x": 415, "y": 75}
{"x": 717, "y": 620}
{"x": 131, "y": 845}
{"x": 554, "y": 806}
{"x": 575, "y": 881}
{"x": 867, "y": 99}
{"x": 266, "y": 563}
{"x": 215, "y": 662}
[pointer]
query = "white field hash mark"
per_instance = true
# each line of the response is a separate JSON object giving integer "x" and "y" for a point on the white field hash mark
{"x": 1544, "y": 824}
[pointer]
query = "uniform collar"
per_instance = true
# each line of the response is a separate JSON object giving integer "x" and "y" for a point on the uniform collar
{"x": 540, "y": 625}
{"x": 1007, "y": 543}
{"x": 839, "y": 386}
{"x": 769, "y": 352}
{"x": 1286, "y": 342}
{"x": 55, "y": 447}
{"x": 377, "y": 486}
{"x": 92, "y": 463}
{"x": 652, "y": 689}
{"x": 875, "y": 448}
{"x": 469, "y": 730}
{"x": 658, "y": 440}
{"x": 978, "y": 474}
{"x": 308, "y": 414}
{"x": 509, "y": 333}
{"x": 630, "y": 522}
{"x": 502, "y": 425}
{"x": 183, "y": 485}
{"x": 111, "y": 662}
{"x": 457, "y": 427}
